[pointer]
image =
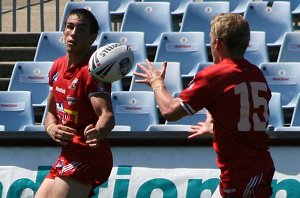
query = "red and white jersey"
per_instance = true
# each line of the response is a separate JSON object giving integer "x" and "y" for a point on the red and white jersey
{"x": 72, "y": 88}
{"x": 236, "y": 94}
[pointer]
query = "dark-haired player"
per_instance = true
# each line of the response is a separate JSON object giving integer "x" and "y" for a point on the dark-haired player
{"x": 79, "y": 116}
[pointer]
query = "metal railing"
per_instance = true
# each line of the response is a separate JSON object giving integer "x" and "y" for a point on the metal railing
{"x": 12, "y": 7}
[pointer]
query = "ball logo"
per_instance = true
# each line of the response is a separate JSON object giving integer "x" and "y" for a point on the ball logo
{"x": 109, "y": 48}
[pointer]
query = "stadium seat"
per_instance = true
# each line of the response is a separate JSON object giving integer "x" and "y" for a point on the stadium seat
{"x": 274, "y": 18}
{"x": 116, "y": 7}
{"x": 198, "y": 16}
{"x": 16, "y": 110}
{"x": 290, "y": 49}
{"x": 235, "y": 6}
{"x": 174, "y": 127}
{"x": 135, "y": 40}
{"x": 172, "y": 80}
{"x": 100, "y": 9}
{"x": 152, "y": 18}
{"x": 294, "y": 3}
{"x": 2, "y": 128}
{"x": 283, "y": 78}
{"x": 117, "y": 86}
{"x": 276, "y": 117}
{"x": 50, "y": 46}
{"x": 295, "y": 121}
{"x": 122, "y": 128}
{"x": 257, "y": 51}
{"x": 34, "y": 127}
{"x": 177, "y": 7}
{"x": 136, "y": 109}
{"x": 187, "y": 48}
{"x": 31, "y": 76}
{"x": 201, "y": 66}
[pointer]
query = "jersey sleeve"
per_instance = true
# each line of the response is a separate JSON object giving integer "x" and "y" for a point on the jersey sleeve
{"x": 195, "y": 96}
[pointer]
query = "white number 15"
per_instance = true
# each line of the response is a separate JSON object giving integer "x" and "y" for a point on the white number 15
{"x": 242, "y": 90}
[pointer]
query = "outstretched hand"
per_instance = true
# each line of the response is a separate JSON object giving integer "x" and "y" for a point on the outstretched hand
{"x": 150, "y": 73}
{"x": 200, "y": 129}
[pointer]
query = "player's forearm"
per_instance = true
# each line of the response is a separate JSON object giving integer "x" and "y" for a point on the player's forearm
{"x": 105, "y": 124}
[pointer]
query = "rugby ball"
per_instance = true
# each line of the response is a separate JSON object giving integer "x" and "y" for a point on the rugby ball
{"x": 111, "y": 62}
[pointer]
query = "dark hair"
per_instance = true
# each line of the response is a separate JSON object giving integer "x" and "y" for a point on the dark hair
{"x": 81, "y": 12}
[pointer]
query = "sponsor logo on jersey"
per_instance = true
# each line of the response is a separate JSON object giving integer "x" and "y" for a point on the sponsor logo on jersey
{"x": 65, "y": 115}
{"x": 61, "y": 90}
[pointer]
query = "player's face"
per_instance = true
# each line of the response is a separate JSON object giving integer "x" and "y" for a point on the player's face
{"x": 78, "y": 38}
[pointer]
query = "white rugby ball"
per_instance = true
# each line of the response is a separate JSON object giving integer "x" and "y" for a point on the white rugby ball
{"x": 111, "y": 62}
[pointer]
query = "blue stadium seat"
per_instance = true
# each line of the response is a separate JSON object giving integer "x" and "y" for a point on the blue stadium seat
{"x": 172, "y": 80}
{"x": 198, "y": 16}
{"x": 31, "y": 76}
{"x": 136, "y": 109}
{"x": 238, "y": 6}
{"x": 34, "y": 127}
{"x": 174, "y": 127}
{"x": 2, "y": 128}
{"x": 203, "y": 65}
{"x": 290, "y": 49}
{"x": 283, "y": 78}
{"x": 122, "y": 128}
{"x": 116, "y": 7}
{"x": 273, "y": 18}
{"x": 100, "y": 10}
{"x": 135, "y": 40}
{"x": 295, "y": 121}
{"x": 177, "y": 7}
{"x": 152, "y": 18}
{"x": 187, "y": 48}
{"x": 16, "y": 110}
{"x": 117, "y": 86}
{"x": 276, "y": 118}
{"x": 50, "y": 46}
{"x": 257, "y": 51}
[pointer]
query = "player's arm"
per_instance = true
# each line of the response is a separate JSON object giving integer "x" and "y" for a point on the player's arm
{"x": 102, "y": 105}
{"x": 59, "y": 133}
{"x": 169, "y": 106}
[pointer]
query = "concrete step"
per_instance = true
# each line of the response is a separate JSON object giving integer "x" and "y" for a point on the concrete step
{"x": 17, "y": 53}
{"x": 6, "y": 69}
{"x": 15, "y": 39}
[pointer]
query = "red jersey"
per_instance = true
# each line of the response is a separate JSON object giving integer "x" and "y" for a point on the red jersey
{"x": 72, "y": 88}
{"x": 236, "y": 94}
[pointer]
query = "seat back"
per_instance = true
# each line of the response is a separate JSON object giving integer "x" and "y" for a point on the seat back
{"x": 16, "y": 110}
{"x": 135, "y": 40}
{"x": 257, "y": 51}
{"x": 173, "y": 81}
{"x": 238, "y": 6}
{"x": 152, "y": 18}
{"x": 273, "y": 18}
{"x": 116, "y": 6}
{"x": 100, "y": 9}
{"x": 174, "y": 127}
{"x": 276, "y": 118}
{"x": 187, "y": 48}
{"x": 34, "y": 127}
{"x": 295, "y": 121}
{"x": 31, "y": 76}
{"x": 283, "y": 78}
{"x": 176, "y": 6}
{"x": 198, "y": 15}
{"x": 290, "y": 49}
{"x": 50, "y": 46}
{"x": 136, "y": 109}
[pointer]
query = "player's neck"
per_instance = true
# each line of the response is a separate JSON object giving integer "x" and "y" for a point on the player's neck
{"x": 74, "y": 59}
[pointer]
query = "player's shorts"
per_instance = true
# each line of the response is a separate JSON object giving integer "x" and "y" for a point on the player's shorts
{"x": 87, "y": 167}
{"x": 258, "y": 186}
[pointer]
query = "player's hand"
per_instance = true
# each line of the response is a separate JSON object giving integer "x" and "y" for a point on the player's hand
{"x": 92, "y": 136}
{"x": 150, "y": 73}
{"x": 61, "y": 134}
{"x": 200, "y": 129}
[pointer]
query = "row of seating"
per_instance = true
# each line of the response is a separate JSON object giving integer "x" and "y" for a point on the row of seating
{"x": 273, "y": 18}
{"x": 134, "y": 111}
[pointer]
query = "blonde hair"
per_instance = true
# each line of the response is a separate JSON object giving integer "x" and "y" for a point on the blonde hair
{"x": 232, "y": 30}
